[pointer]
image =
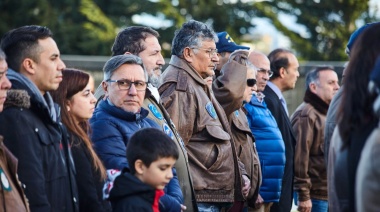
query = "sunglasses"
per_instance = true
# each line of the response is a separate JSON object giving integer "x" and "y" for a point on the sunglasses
{"x": 251, "y": 82}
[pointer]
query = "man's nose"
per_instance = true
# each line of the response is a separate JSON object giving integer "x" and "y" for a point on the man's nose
{"x": 132, "y": 90}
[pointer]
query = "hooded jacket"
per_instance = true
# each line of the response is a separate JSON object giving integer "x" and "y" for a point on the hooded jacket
{"x": 33, "y": 134}
{"x": 130, "y": 194}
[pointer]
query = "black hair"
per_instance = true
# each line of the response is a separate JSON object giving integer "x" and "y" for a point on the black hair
{"x": 131, "y": 40}
{"x": 22, "y": 42}
{"x": 148, "y": 145}
{"x": 278, "y": 58}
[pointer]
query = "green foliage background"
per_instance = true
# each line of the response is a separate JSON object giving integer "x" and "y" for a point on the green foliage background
{"x": 88, "y": 27}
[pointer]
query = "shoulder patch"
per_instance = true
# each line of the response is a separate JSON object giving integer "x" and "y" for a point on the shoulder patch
{"x": 155, "y": 111}
{"x": 4, "y": 181}
{"x": 236, "y": 113}
{"x": 168, "y": 131}
{"x": 211, "y": 110}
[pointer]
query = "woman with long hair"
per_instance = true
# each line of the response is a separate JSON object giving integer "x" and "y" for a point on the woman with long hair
{"x": 356, "y": 119}
{"x": 77, "y": 102}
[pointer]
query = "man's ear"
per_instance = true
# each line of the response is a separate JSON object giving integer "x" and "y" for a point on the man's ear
{"x": 188, "y": 54}
{"x": 105, "y": 86}
{"x": 282, "y": 72}
{"x": 313, "y": 87}
{"x": 139, "y": 167}
{"x": 29, "y": 66}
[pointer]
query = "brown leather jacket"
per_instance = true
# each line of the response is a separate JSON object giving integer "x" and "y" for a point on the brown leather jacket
{"x": 205, "y": 130}
{"x": 158, "y": 114}
{"x": 228, "y": 89}
{"x": 12, "y": 195}
{"x": 310, "y": 175}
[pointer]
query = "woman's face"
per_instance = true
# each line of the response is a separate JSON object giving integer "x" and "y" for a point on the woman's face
{"x": 82, "y": 105}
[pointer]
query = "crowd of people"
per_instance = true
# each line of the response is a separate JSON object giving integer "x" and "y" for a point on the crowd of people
{"x": 210, "y": 133}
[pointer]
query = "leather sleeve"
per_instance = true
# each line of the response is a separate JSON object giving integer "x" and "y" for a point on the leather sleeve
{"x": 303, "y": 128}
{"x": 229, "y": 87}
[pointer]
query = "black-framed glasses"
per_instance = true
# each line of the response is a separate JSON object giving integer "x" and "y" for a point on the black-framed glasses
{"x": 211, "y": 52}
{"x": 251, "y": 82}
{"x": 125, "y": 84}
{"x": 269, "y": 72}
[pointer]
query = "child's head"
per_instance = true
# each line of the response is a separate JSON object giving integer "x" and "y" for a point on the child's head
{"x": 151, "y": 155}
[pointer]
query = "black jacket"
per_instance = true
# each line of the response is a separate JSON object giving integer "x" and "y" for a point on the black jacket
{"x": 90, "y": 184}
{"x": 275, "y": 106}
{"x": 35, "y": 138}
{"x": 130, "y": 194}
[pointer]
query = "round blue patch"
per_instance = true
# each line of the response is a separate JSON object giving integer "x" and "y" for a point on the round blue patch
{"x": 168, "y": 131}
{"x": 236, "y": 113}
{"x": 155, "y": 112}
{"x": 211, "y": 110}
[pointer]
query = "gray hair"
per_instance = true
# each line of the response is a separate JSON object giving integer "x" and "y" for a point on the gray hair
{"x": 252, "y": 66}
{"x": 192, "y": 34}
{"x": 2, "y": 55}
{"x": 313, "y": 75}
{"x": 116, "y": 61}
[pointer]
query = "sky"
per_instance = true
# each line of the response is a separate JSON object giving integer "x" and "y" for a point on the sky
{"x": 262, "y": 24}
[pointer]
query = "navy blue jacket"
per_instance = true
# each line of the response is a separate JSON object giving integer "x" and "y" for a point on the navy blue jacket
{"x": 112, "y": 127}
{"x": 270, "y": 147}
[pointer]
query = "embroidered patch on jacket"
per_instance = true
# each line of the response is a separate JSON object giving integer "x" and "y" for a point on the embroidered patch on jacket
{"x": 236, "y": 113}
{"x": 155, "y": 111}
{"x": 4, "y": 181}
{"x": 211, "y": 110}
{"x": 168, "y": 131}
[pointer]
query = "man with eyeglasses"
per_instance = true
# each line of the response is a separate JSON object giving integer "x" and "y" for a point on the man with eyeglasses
{"x": 284, "y": 65}
{"x": 200, "y": 119}
{"x": 121, "y": 114}
{"x": 269, "y": 142}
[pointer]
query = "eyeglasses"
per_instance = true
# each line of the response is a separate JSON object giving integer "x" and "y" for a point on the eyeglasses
{"x": 126, "y": 84}
{"x": 269, "y": 72}
{"x": 251, "y": 82}
{"x": 211, "y": 52}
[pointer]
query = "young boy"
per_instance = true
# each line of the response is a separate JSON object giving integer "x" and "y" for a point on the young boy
{"x": 151, "y": 155}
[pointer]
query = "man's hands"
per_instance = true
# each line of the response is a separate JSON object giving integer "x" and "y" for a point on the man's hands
{"x": 239, "y": 56}
{"x": 259, "y": 202}
{"x": 247, "y": 185}
{"x": 304, "y": 206}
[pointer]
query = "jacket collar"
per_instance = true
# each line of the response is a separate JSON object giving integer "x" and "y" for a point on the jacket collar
{"x": 122, "y": 114}
{"x": 316, "y": 102}
{"x": 182, "y": 64}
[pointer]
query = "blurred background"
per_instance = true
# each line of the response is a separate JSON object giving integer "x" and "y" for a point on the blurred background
{"x": 316, "y": 30}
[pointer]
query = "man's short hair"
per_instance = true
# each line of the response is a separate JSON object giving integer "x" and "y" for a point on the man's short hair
{"x": 313, "y": 75}
{"x": 278, "y": 58}
{"x": 149, "y": 145}
{"x": 191, "y": 34}
{"x": 116, "y": 61}
{"x": 22, "y": 42}
{"x": 131, "y": 40}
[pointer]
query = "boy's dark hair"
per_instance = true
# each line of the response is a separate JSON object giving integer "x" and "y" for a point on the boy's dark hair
{"x": 21, "y": 43}
{"x": 149, "y": 145}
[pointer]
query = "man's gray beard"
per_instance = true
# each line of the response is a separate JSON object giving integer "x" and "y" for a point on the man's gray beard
{"x": 154, "y": 80}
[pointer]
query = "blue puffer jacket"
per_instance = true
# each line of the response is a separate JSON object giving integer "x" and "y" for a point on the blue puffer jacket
{"x": 112, "y": 128}
{"x": 270, "y": 147}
